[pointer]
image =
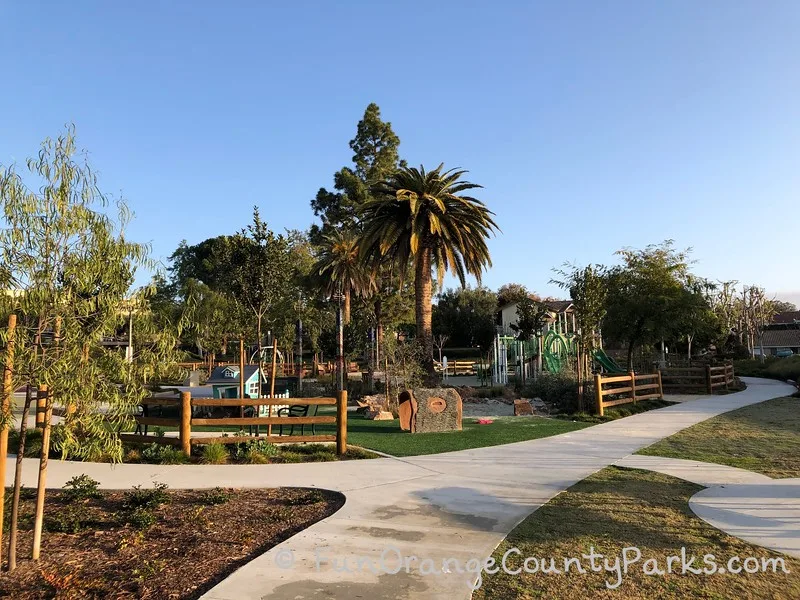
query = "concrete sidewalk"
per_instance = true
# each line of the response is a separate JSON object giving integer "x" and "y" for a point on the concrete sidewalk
{"x": 744, "y": 504}
{"x": 457, "y": 506}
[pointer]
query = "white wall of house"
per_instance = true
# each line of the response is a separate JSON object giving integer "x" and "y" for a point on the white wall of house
{"x": 508, "y": 317}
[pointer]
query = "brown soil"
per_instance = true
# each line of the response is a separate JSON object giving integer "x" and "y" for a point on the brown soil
{"x": 193, "y": 545}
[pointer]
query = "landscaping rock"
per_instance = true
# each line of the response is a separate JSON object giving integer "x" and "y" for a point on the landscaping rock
{"x": 381, "y": 415}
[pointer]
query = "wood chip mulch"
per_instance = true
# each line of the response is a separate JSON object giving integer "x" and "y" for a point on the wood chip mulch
{"x": 193, "y": 545}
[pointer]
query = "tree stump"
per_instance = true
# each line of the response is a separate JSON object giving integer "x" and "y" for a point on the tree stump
{"x": 437, "y": 409}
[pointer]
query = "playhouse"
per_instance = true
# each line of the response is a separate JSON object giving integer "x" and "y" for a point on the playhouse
{"x": 224, "y": 381}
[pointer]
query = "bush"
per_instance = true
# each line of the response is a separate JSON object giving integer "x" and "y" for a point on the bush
{"x": 147, "y": 498}
{"x": 215, "y": 496}
{"x": 79, "y": 488}
{"x": 559, "y": 390}
{"x": 772, "y": 368}
{"x": 70, "y": 519}
{"x": 163, "y": 454}
{"x": 214, "y": 454}
{"x": 141, "y": 518}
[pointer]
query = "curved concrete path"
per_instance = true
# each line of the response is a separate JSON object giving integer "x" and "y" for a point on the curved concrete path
{"x": 744, "y": 504}
{"x": 457, "y": 505}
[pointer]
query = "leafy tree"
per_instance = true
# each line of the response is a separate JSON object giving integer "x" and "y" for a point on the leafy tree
{"x": 531, "y": 316}
{"x": 207, "y": 262}
{"x": 511, "y": 293}
{"x": 69, "y": 268}
{"x": 262, "y": 276}
{"x": 588, "y": 290}
{"x": 422, "y": 218}
{"x": 781, "y": 306}
{"x": 645, "y": 296}
{"x": 466, "y": 316}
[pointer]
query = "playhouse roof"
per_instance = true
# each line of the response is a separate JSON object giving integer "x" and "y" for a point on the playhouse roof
{"x": 230, "y": 374}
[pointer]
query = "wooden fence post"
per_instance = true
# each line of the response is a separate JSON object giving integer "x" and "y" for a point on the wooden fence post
{"x": 341, "y": 422}
{"x": 186, "y": 423}
{"x": 42, "y": 482}
{"x": 8, "y": 393}
{"x": 598, "y": 393}
{"x": 709, "y": 387}
{"x": 660, "y": 385}
{"x": 633, "y": 386}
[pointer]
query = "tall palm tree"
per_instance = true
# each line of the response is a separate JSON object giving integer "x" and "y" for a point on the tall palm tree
{"x": 342, "y": 269}
{"x": 423, "y": 218}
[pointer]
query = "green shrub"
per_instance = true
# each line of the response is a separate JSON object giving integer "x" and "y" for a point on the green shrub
{"x": 70, "y": 519}
{"x": 559, "y": 391}
{"x": 141, "y": 518}
{"x": 215, "y": 496}
{"x": 147, "y": 498}
{"x": 79, "y": 488}
{"x": 772, "y": 368}
{"x": 163, "y": 454}
{"x": 214, "y": 454}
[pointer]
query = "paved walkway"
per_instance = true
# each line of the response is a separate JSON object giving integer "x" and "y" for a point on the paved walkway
{"x": 457, "y": 505}
{"x": 744, "y": 504}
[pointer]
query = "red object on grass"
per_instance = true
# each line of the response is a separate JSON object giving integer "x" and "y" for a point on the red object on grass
{"x": 484, "y": 421}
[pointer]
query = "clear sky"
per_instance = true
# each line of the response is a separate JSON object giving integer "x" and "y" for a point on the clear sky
{"x": 591, "y": 125}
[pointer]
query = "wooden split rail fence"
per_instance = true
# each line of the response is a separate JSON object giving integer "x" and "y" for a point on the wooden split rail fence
{"x": 706, "y": 379}
{"x": 186, "y": 420}
{"x": 625, "y": 389}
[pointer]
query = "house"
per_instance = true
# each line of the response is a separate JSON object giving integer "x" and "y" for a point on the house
{"x": 561, "y": 316}
{"x": 781, "y": 336}
{"x": 225, "y": 381}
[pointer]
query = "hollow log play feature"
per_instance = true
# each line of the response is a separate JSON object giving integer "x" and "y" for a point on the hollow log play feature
{"x": 428, "y": 410}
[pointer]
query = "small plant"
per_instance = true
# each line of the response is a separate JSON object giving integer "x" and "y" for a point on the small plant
{"x": 163, "y": 455}
{"x": 158, "y": 431}
{"x": 214, "y": 454}
{"x": 149, "y": 568}
{"x": 133, "y": 455}
{"x": 147, "y": 498}
{"x": 215, "y": 496}
{"x": 141, "y": 518}
{"x": 173, "y": 456}
{"x": 80, "y": 488}
{"x": 70, "y": 519}
{"x": 251, "y": 456}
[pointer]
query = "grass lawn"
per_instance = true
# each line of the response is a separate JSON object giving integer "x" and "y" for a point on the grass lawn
{"x": 624, "y": 508}
{"x": 763, "y": 437}
{"x": 385, "y": 436}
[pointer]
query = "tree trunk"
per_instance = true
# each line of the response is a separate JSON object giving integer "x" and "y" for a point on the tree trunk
{"x": 260, "y": 358}
{"x": 346, "y": 310}
{"x": 378, "y": 331}
{"x": 631, "y": 346}
{"x": 12, "y": 531}
{"x": 423, "y": 288}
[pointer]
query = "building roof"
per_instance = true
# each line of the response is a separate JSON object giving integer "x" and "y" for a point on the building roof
{"x": 558, "y": 305}
{"x": 781, "y": 338}
{"x": 230, "y": 374}
{"x": 787, "y": 317}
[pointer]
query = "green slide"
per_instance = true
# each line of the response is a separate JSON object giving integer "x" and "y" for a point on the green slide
{"x": 608, "y": 363}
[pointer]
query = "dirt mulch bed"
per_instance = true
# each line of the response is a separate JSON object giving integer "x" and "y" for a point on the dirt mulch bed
{"x": 199, "y": 537}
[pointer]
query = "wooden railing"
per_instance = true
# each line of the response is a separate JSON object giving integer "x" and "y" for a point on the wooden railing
{"x": 457, "y": 367}
{"x": 706, "y": 379}
{"x": 625, "y": 389}
{"x": 185, "y": 420}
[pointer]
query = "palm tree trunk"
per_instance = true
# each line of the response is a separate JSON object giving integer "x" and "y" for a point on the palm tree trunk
{"x": 423, "y": 290}
{"x": 346, "y": 308}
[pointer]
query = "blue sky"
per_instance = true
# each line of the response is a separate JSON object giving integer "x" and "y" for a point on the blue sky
{"x": 592, "y": 126}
